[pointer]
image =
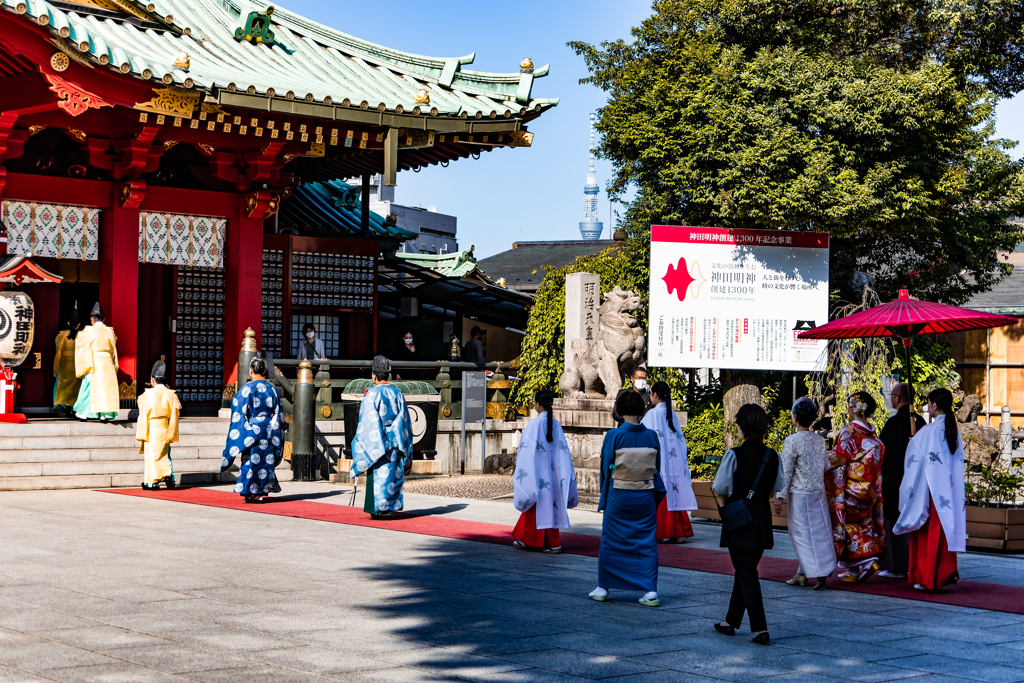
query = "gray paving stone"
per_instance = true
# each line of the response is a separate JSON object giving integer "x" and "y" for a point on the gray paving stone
{"x": 448, "y": 662}
{"x": 175, "y": 658}
{"x": 930, "y": 663}
{"x": 579, "y": 663}
{"x": 118, "y": 672}
{"x": 36, "y": 657}
{"x": 845, "y": 668}
{"x": 99, "y": 637}
{"x": 257, "y": 672}
{"x": 9, "y": 675}
{"x": 836, "y": 647}
{"x": 729, "y": 667}
{"x": 316, "y": 660}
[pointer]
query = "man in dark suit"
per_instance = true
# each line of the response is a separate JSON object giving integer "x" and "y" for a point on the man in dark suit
{"x": 639, "y": 382}
{"x": 895, "y": 436}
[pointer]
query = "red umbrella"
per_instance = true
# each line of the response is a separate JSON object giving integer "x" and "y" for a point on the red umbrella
{"x": 906, "y": 318}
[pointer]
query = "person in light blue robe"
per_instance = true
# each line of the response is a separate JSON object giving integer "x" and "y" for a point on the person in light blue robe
{"x": 382, "y": 444}
{"x": 255, "y": 435}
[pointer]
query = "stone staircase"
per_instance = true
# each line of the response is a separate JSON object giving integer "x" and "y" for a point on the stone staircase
{"x": 63, "y": 454}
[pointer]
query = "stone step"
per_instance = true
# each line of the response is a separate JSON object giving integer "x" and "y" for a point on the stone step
{"x": 123, "y": 440}
{"x": 58, "y": 428}
{"x": 85, "y": 454}
{"x": 133, "y": 478}
{"x": 36, "y": 469}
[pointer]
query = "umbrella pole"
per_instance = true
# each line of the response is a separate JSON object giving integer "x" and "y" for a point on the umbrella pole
{"x": 910, "y": 385}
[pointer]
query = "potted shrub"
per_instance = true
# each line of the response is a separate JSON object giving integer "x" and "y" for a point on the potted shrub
{"x": 994, "y": 518}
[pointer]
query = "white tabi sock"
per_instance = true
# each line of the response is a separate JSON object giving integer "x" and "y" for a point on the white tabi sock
{"x": 653, "y": 595}
{"x": 599, "y": 592}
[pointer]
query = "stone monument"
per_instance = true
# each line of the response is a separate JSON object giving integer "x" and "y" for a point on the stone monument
{"x": 603, "y": 343}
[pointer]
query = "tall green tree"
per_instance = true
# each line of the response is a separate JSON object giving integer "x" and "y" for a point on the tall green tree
{"x": 871, "y": 121}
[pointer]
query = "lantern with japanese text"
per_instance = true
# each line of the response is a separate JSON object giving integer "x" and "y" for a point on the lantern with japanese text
{"x": 17, "y": 327}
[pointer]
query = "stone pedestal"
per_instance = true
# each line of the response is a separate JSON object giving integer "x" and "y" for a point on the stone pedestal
{"x": 585, "y": 422}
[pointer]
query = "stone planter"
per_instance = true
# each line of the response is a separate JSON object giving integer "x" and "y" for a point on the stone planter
{"x": 707, "y": 508}
{"x": 995, "y": 528}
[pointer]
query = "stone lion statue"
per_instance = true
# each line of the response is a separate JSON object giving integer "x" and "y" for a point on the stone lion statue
{"x": 597, "y": 368}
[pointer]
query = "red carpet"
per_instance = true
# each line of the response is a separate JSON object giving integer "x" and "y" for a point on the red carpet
{"x": 974, "y": 594}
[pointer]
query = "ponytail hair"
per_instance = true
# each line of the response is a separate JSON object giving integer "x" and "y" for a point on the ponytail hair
{"x": 546, "y": 398}
{"x": 943, "y": 400}
{"x": 664, "y": 394}
{"x": 258, "y": 365}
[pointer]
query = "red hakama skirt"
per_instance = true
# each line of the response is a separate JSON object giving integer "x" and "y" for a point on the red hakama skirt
{"x": 672, "y": 524}
{"x": 527, "y": 533}
{"x": 931, "y": 563}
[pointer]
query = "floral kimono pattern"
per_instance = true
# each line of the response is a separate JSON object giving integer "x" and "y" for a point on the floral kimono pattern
{"x": 382, "y": 442}
{"x": 255, "y": 436}
{"x": 854, "y": 490}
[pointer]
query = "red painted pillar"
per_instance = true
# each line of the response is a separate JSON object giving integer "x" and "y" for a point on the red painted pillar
{"x": 243, "y": 275}
{"x": 119, "y": 282}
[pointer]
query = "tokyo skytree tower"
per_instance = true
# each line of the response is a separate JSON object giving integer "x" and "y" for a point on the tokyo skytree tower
{"x": 590, "y": 227}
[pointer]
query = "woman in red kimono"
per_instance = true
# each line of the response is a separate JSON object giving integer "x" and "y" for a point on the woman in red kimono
{"x": 854, "y": 490}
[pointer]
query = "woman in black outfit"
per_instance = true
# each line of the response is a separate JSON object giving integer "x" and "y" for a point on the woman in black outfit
{"x": 746, "y": 544}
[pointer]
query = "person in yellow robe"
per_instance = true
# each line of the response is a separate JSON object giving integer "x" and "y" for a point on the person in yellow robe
{"x": 65, "y": 388}
{"x": 96, "y": 364}
{"x": 158, "y": 429}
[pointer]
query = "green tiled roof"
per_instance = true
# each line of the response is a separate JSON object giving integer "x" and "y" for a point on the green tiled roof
{"x": 334, "y": 205}
{"x": 455, "y": 264}
{"x": 311, "y": 62}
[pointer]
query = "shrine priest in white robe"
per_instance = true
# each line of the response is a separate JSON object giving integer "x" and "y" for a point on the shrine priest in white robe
{"x": 932, "y": 501}
{"x": 544, "y": 482}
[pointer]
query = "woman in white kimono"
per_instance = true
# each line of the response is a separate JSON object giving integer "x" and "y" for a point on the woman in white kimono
{"x": 804, "y": 464}
{"x": 932, "y": 501}
{"x": 545, "y": 481}
{"x": 158, "y": 429}
{"x": 673, "y": 520}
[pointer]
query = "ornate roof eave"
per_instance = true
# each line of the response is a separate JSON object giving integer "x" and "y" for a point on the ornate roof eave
{"x": 386, "y": 119}
{"x": 319, "y": 65}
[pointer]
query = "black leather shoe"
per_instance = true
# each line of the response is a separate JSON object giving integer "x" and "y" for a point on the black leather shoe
{"x": 761, "y": 638}
{"x": 725, "y": 630}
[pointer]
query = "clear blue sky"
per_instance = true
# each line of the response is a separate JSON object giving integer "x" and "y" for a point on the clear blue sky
{"x": 528, "y": 193}
{"x": 531, "y": 193}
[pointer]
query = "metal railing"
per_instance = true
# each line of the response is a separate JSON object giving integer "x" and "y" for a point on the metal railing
{"x": 309, "y": 398}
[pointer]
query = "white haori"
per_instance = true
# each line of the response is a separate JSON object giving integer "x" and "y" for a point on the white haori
{"x": 544, "y": 474}
{"x": 931, "y": 471}
{"x": 674, "y": 467}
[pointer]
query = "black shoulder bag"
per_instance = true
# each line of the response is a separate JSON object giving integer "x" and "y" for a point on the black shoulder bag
{"x": 736, "y": 515}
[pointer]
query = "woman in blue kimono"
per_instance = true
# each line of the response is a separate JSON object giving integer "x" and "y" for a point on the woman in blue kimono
{"x": 255, "y": 435}
{"x": 630, "y": 489}
{"x": 382, "y": 444}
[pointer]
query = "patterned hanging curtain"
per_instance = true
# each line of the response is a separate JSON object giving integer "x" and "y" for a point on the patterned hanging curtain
{"x": 176, "y": 240}
{"x": 52, "y": 230}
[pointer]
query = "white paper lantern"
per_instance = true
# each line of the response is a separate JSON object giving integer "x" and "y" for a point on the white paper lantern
{"x": 17, "y": 327}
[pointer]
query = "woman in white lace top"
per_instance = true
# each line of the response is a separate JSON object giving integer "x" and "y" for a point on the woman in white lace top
{"x": 805, "y": 461}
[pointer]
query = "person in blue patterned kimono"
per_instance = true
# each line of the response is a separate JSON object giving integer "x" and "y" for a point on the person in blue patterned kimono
{"x": 382, "y": 444}
{"x": 255, "y": 435}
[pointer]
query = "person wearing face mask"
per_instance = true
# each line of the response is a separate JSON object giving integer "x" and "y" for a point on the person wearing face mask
{"x": 639, "y": 381}
{"x": 311, "y": 348}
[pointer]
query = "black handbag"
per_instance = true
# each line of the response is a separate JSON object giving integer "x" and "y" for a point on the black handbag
{"x": 736, "y": 515}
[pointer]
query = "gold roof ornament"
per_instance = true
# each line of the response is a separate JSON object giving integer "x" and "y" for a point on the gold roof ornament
{"x": 423, "y": 97}
{"x": 181, "y": 60}
{"x": 526, "y": 66}
{"x": 392, "y": 219}
{"x": 501, "y": 282}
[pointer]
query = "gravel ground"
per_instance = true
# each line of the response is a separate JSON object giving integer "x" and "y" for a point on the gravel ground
{"x": 471, "y": 486}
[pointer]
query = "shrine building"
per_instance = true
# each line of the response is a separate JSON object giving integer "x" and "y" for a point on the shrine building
{"x": 147, "y": 147}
